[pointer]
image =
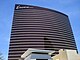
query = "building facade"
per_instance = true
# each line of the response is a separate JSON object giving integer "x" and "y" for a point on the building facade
{"x": 39, "y": 28}
{"x": 67, "y": 55}
{"x": 36, "y": 54}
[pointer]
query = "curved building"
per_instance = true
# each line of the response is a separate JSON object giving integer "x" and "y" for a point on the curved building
{"x": 40, "y": 28}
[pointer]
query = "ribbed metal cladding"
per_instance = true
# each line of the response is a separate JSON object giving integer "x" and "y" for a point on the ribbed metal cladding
{"x": 40, "y": 28}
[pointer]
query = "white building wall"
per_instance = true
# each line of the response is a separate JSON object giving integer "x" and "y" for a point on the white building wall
{"x": 67, "y": 55}
{"x": 72, "y": 55}
{"x": 28, "y": 58}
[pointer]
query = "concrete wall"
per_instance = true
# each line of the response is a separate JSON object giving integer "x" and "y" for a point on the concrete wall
{"x": 61, "y": 56}
{"x": 72, "y": 55}
{"x": 67, "y": 55}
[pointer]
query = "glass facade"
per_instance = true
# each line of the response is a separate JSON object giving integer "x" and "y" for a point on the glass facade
{"x": 39, "y": 28}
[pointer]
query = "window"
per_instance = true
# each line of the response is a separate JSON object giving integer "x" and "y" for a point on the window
{"x": 41, "y": 59}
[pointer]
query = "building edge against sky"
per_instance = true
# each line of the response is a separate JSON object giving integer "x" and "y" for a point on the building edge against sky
{"x": 40, "y": 28}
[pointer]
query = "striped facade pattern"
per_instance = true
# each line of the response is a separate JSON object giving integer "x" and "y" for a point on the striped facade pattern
{"x": 40, "y": 28}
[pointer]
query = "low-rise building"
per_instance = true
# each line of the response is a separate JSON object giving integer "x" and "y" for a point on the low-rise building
{"x": 65, "y": 54}
{"x": 36, "y": 54}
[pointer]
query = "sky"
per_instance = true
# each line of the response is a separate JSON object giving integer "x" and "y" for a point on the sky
{"x": 69, "y": 7}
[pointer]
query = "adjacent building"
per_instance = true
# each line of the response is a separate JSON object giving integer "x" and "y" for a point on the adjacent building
{"x": 39, "y": 28}
{"x": 65, "y": 54}
{"x": 36, "y": 54}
